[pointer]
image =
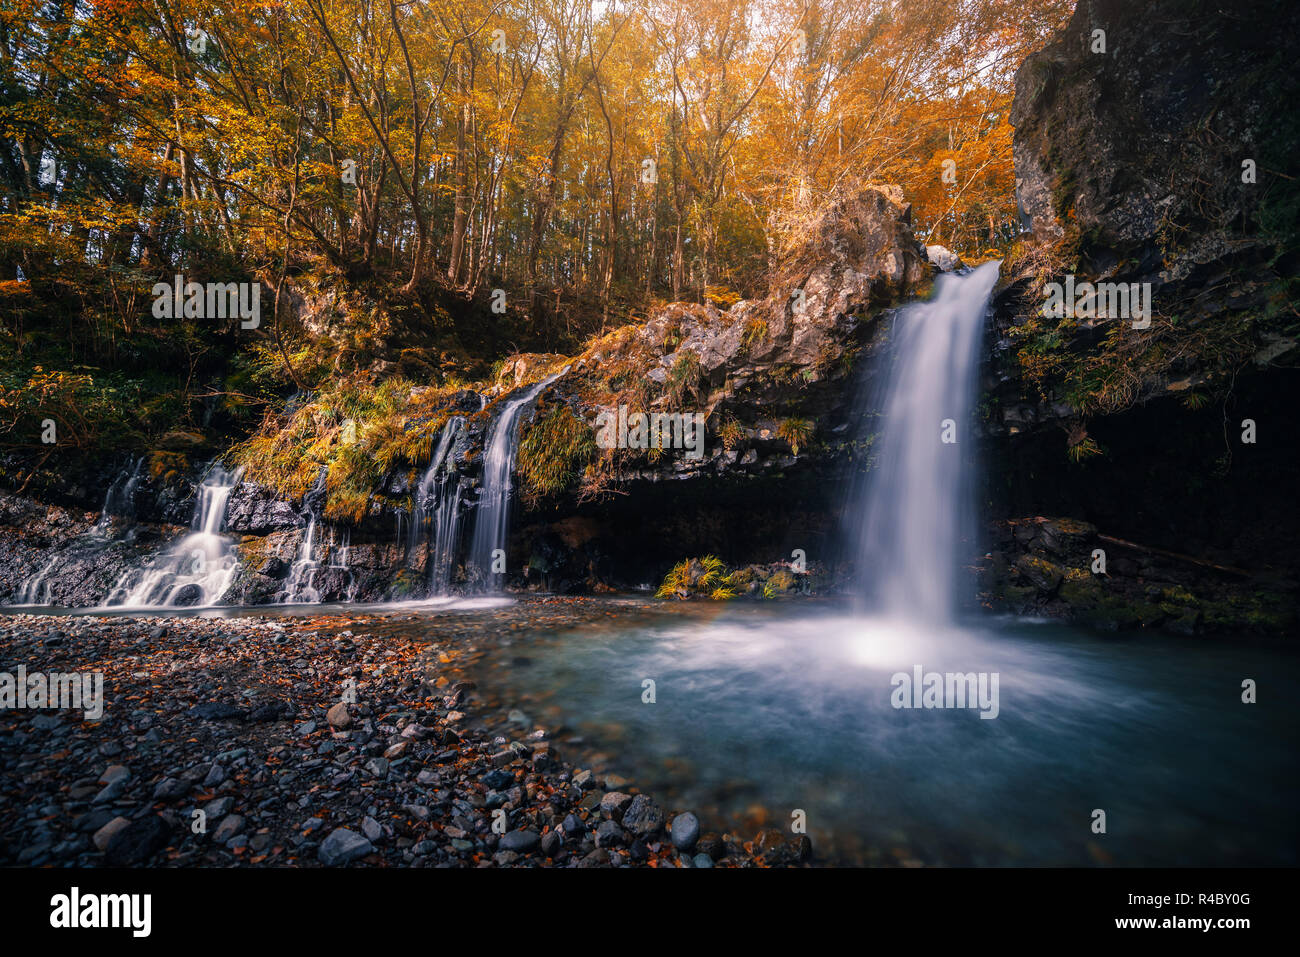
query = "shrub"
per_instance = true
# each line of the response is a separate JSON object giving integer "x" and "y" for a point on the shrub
{"x": 795, "y": 431}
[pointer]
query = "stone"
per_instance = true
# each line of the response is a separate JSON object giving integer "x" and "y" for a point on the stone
{"x": 169, "y": 789}
{"x": 230, "y": 825}
{"x": 339, "y": 717}
{"x": 614, "y": 804}
{"x": 944, "y": 259}
{"x": 643, "y": 816}
{"x": 521, "y": 841}
{"x": 137, "y": 842}
{"x": 115, "y": 772}
{"x": 104, "y": 836}
{"x": 712, "y": 845}
{"x": 216, "y": 711}
{"x": 92, "y": 820}
{"x": 497, "y": 779}
{"x": 110, "y": 792}
{"x": 342, "y": 847}
{"x": 609, "y": 834}
{"x": 685, "y": 830}
{"x": 273, "y": 710}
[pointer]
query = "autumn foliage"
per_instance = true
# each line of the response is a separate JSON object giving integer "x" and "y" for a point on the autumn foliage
{"x": 591, "y": 159}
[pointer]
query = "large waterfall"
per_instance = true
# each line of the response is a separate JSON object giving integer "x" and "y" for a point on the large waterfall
{"x": 199, "y": 568}
{"x": 492, "y": 521}
{"x": 915, "y": 507}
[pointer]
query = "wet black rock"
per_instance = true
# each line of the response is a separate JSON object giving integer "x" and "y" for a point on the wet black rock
{"x": 137, "y": 842}
{"x": 216, "y": 711}
{"x": 521, "y": 841}
{"x": 643, "y": 816}
{"x": 609, "y": 834}
{"x": 497, "y": 779}
{"x": 274, "y": 710}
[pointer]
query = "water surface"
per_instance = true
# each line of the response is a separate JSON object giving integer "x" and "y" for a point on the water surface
{"x": 760, "y": 712}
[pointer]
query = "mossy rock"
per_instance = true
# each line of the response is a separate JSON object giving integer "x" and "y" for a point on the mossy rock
{"x": 1045, "y": 576}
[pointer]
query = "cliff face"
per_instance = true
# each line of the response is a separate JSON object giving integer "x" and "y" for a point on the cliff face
{"x": 1155, "y": 148}
{"x": 1163, "y": 159}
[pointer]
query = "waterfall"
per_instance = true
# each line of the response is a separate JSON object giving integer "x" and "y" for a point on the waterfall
{"x": 36, "y": 589}
{"x": 119, "y": 501}
{"x": 299, "y": 588}
{"x": 320, "y": 570}
{"x": 437, "y": 508}
{"x": 918, "y": 498}
{"x": 493, "y": 513}
{"x": 199, "y": 568}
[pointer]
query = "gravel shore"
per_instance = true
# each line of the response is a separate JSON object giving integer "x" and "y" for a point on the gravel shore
{"x": 309, "y": 741}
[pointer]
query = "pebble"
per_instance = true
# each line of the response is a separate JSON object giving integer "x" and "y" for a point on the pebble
{"x": 106, "y": 833}
{"x": 338, "y": 716}
{"x": 685, "y": 830}
{"x": 342, "y": 847}
{"x": 521, "y": 841}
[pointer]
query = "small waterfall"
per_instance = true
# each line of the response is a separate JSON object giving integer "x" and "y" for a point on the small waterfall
{"x": 917, "y": 501}
{"x": 119, "y": 501}
{"x": 437, "y": 509}
{"x": 302, "y": 573}
{"x": 321, "y": 566}
{"x": 199, "y": 568}
{"x": 339, "y": 560}
{"x": 493, "y": 513}
{"x": 36, "y": 589}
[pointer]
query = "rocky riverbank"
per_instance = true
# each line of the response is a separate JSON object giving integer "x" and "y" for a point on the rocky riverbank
{"x": 310, "y": 741}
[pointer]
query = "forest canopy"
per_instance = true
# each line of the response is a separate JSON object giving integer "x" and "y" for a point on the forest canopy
{"x": 604, "y": 155}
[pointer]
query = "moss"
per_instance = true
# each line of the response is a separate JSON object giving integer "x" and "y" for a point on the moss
{"x": 684, "y": 376}
{"x": 1091, "y": 602}
{"x": 553, "y": 450}
{"x": 782, "y": 581}
{"x": 1042, "y": 573}
{"x": 739, "y": 578}
{"x": 1019, "y": 594}
{"x": 168, "y": 467}
{"x": 357, "y": 430}
{"x": 1262, "y": 612}
{"x": 1178, "y": 594}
